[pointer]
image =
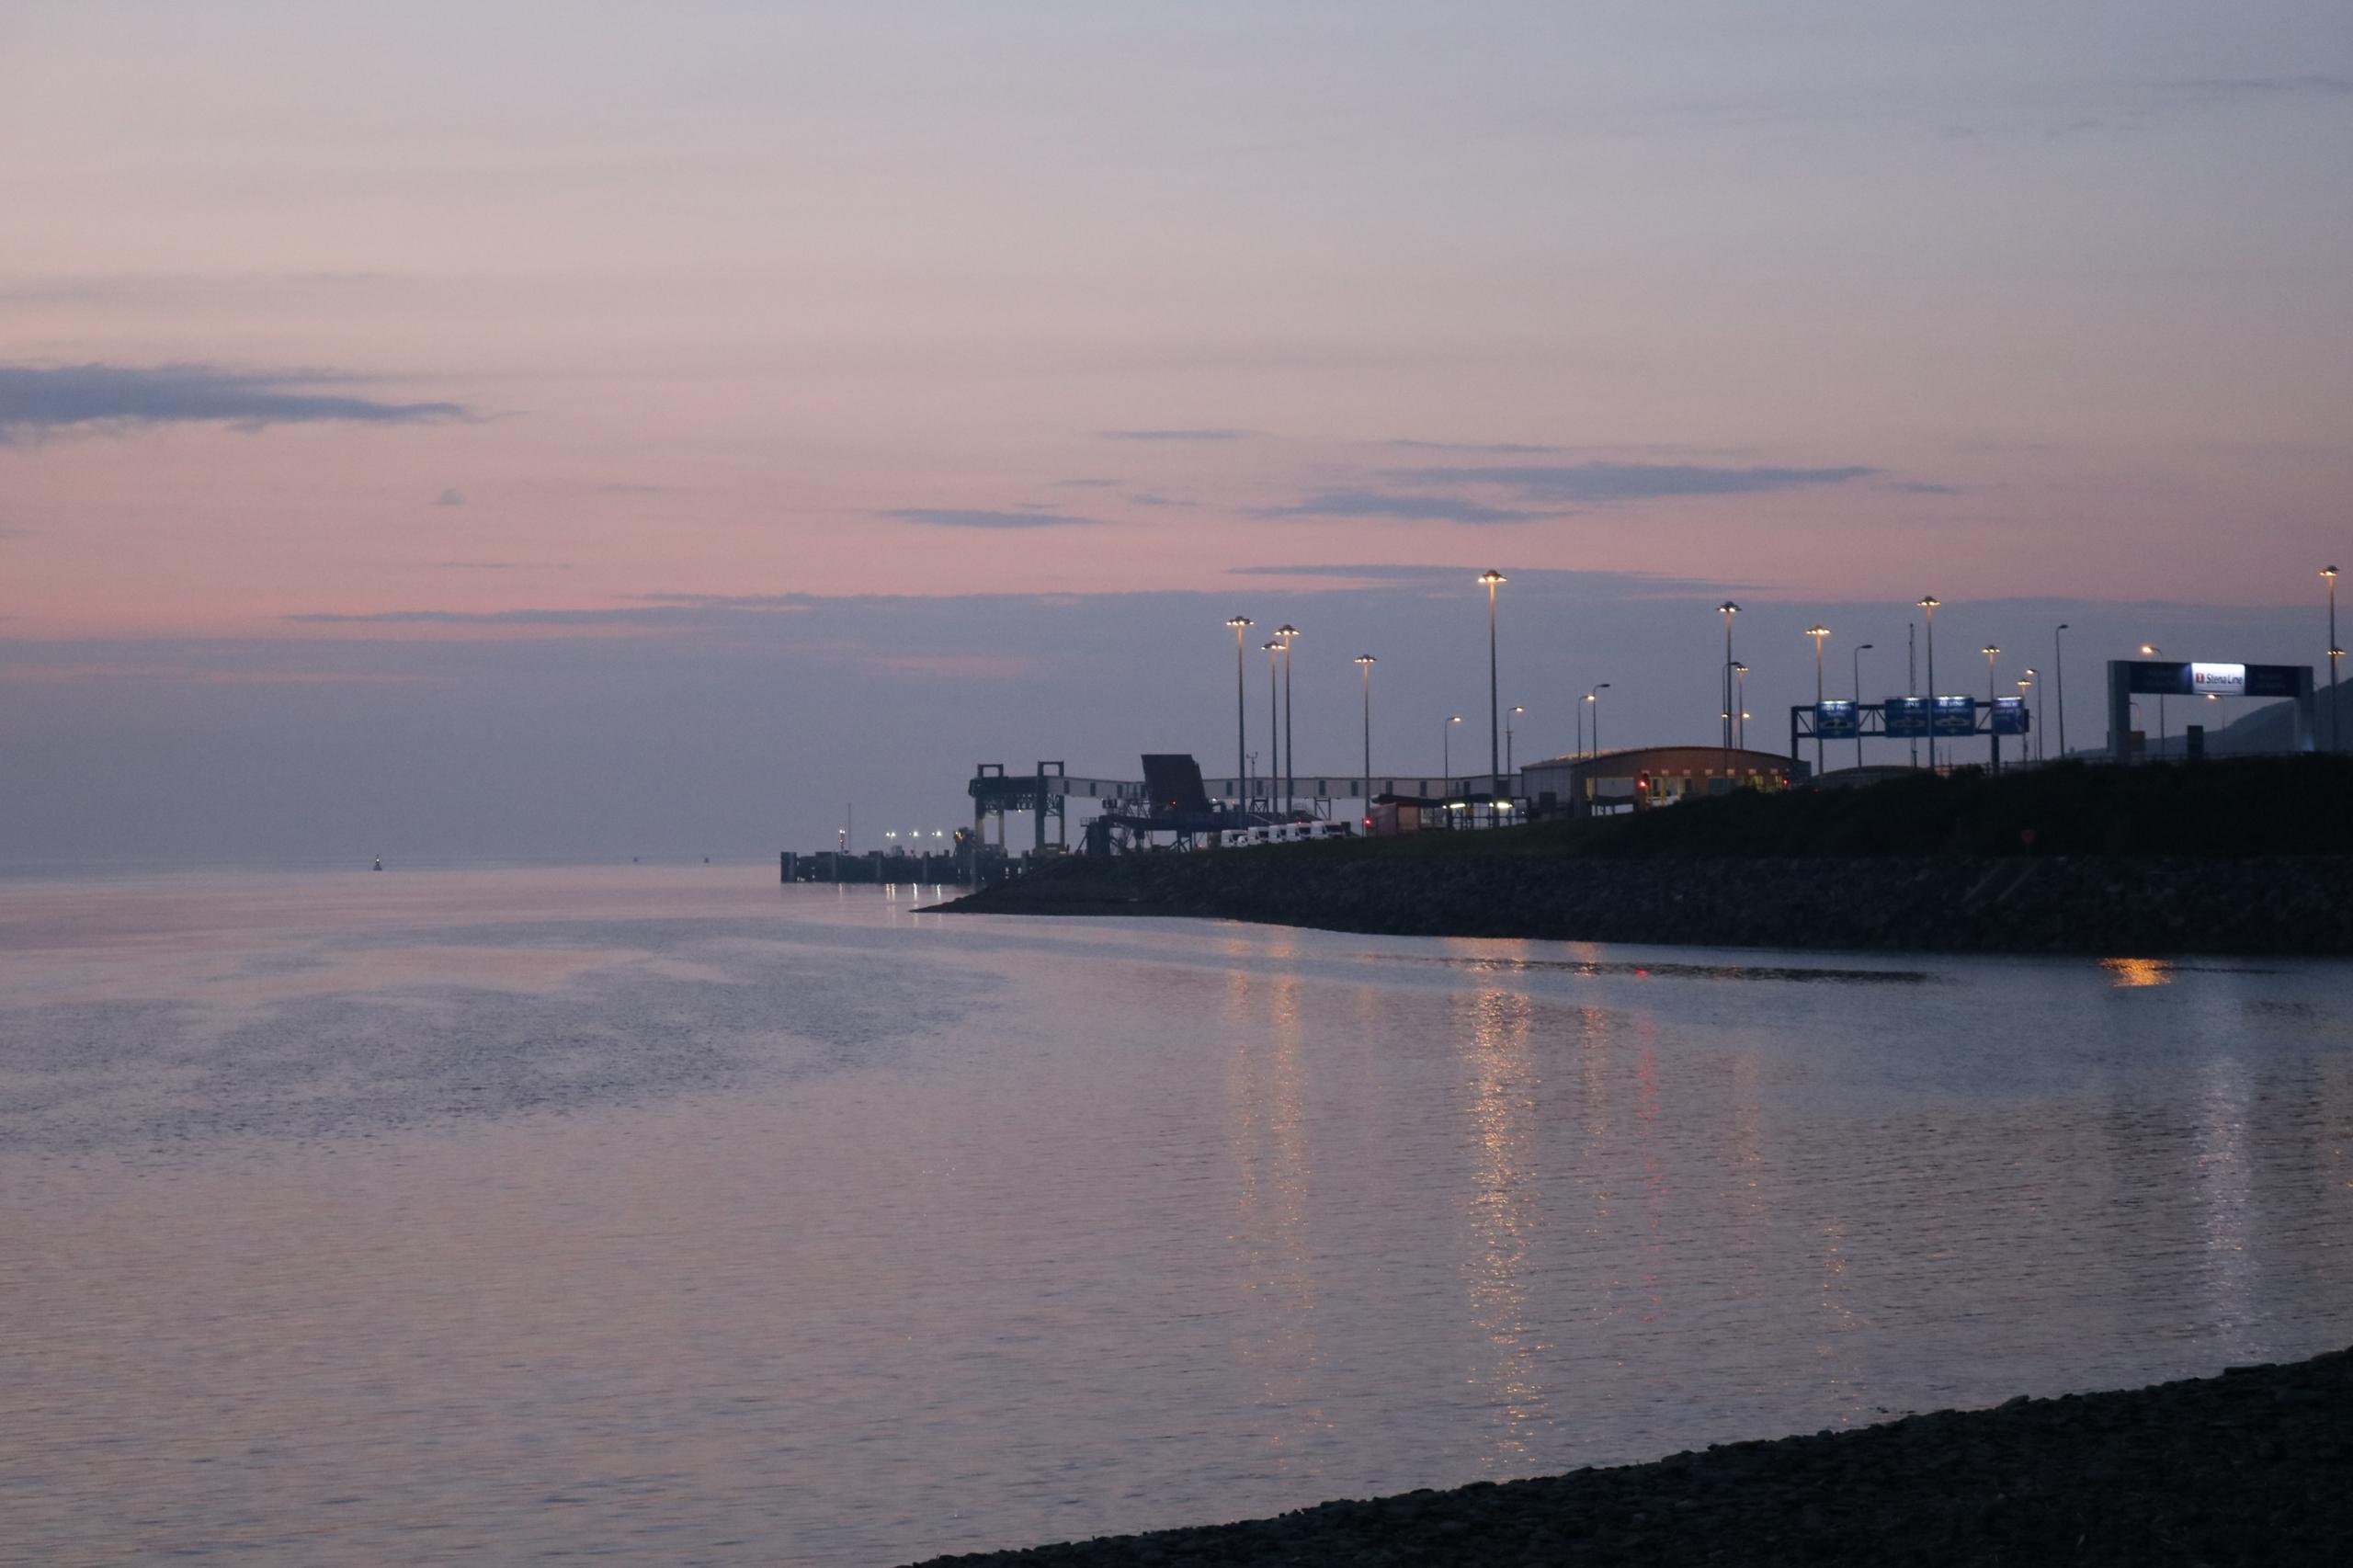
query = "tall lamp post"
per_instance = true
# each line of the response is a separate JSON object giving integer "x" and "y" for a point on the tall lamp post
{"x": 2059, "y": 675}
{"x": 1274, "y": 646}
{"x": 1239, "y": 623}
{"x": 2034, "y": 744}
{"x": 2150, "y": 650}
{"x": 1740, "y": 708}
{"x": 1817, "y": 631}
{"x": 1928, "y": 602}
{"x": 1594, "y": 697}
{"x": 1510, "y": 765}
{"x": 1860, "y": 649}
{"x": 1493, "y": 579}
{"x": 1992, "y": 741}
{"x": 1288, "y": 632}
{"x": 1446, "y": 749}
{"x": 1728, "y": 609}
{"x": 2334, "y": 653}
{"x": 1365, "y": 663}
{"x": 1579, "y": 706}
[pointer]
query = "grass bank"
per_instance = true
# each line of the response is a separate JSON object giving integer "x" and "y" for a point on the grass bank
{"x": 2235, "y": 808}
{"x": 2250, "y": 857}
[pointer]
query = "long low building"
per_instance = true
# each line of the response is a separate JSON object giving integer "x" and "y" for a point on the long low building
{"x": 1651, "y": 775}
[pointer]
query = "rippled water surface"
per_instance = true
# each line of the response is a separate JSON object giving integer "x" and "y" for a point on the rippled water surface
{"x": 670, "y": 1216}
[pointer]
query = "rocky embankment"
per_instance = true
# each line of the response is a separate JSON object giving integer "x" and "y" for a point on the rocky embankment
{"x": 2141, "y": 906}
{"x": 2254, "y": 1466}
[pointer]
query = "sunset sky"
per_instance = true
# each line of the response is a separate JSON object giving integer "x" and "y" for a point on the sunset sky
{"x": 600, "y": 428}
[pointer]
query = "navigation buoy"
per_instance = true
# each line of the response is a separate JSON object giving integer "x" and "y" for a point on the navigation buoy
{"x": 379, "y": 863}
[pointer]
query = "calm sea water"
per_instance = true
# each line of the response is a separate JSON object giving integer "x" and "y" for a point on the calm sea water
{"x": 669, "y": 1216}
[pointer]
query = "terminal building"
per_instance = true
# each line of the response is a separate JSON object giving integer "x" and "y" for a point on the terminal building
{"x": 1638, "y": 776}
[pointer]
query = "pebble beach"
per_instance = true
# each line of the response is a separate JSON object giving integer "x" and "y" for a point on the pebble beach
{"x": 2253, "y": 1466}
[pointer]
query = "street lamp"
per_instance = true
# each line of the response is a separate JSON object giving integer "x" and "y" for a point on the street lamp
{"x": 1594, "y": 697}
{"x": 1992, "y": 741}
{"x": 1929, "y": 602}
{"x": 2034, "y": 742}
{"x": 2150, "y": 650}
{"x": 2059, "y": 675}
{"x": 1493, "y": 579}
{"x": 1728, "y": 609}
{"x": 1740, "y": 709}
{"x": 1817, "y": 632}
{"x": 1274, "y": 647}
{"x": 1365, "y": 663}
{"x": 2334, "y": 653}
{"x": 1446, "y": 749}
{"x": 1509, "y": 765}
{"x": 1860, "y": 649}
{"x": 1239, "y": 623}
{"x": 1288, "y": 632}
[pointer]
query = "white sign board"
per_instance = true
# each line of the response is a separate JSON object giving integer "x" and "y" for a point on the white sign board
{"x": 2218, "y": 680}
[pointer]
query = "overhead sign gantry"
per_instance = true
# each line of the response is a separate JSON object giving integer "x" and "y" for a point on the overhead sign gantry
{"x": 2161, "y": 678}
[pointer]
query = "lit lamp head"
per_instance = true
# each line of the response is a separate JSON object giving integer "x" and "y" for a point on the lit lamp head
{"x": 1492, "y": 579}
{"x": 1817, "y": 633}
{"x": 1286, "y": 631}
{"x": 1367, "y": 660}
{"x": 1928, "y": 601}
{"x": 1239, "y": 621}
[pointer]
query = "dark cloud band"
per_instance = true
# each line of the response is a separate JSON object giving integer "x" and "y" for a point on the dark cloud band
{"x": 1600, "y": 482}
{"x": 34, "y": 399}
{"x": 958, "y": 517}
{"x": 1402, "y": 508}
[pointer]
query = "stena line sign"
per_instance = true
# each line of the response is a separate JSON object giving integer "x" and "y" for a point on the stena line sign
{"x": 2218, "y": 680}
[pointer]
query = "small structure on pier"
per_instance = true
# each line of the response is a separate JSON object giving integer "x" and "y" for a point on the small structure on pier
{"x": 1641, "y": 776}
{"x": 1174, "y": 802}
{"x": 1039, "y": 795}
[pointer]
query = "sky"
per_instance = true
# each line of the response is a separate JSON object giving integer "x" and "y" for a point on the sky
{"x": 592, "y": 430}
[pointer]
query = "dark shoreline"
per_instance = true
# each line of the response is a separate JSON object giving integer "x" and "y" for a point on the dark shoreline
{"x": 2253, "y": 1466}
{"x": 2138, "y": 905}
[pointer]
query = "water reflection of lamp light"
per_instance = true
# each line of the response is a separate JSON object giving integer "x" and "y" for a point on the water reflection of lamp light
{"x": 1506, "y": 1210}
{"x": 2134, "y": 973}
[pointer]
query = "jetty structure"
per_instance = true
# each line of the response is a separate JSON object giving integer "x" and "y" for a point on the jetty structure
{"x": 1175, "y": 805}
